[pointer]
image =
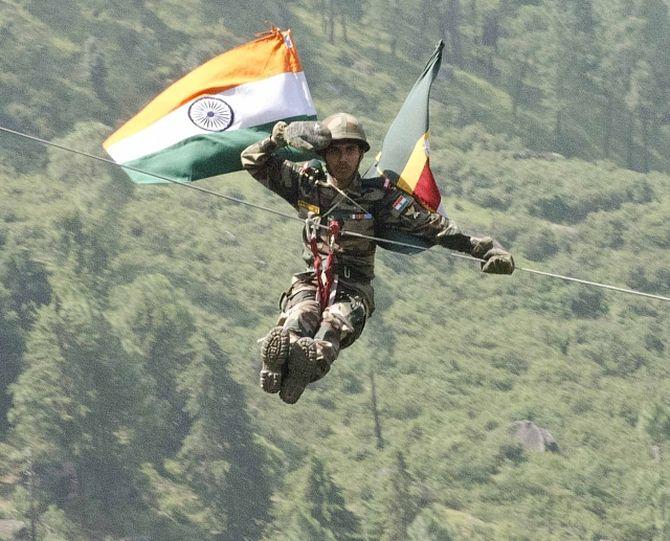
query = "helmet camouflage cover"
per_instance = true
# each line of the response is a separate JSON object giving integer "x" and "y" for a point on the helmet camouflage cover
{"x": 346, "y": 127}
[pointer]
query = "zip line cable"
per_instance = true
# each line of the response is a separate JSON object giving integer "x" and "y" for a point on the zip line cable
{"x": 155, "y": 175}
{"x": 294, "y": 218}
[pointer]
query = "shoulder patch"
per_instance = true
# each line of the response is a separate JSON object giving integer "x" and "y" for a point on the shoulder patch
{"x": 401, "y": 202}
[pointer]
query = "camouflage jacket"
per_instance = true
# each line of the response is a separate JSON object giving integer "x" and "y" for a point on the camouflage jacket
{"x": 374, "y": 204}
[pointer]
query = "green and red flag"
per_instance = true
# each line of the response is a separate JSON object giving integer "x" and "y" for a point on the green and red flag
{"x": 405, "y": 154}
{"x": 198, "y": 127}
{"x": 404, "y": 157}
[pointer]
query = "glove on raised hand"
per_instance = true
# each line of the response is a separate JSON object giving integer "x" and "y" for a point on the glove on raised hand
{"x": 307, "y": 135}
{"x": 496, "y": 259}
{"x": 278, "y": 134}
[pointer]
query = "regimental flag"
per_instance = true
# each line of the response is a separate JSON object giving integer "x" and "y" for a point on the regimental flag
{"x": 405, "y": 151}
{"x": 198, "y": 127}
{"x": 404, "y": 157}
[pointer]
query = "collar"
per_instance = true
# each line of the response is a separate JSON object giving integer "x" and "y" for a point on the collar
{"x": 355, "y": 185}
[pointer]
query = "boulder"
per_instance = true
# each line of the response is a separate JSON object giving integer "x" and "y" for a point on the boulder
{"x": 12, "y": 529}
{"x": 533, "y": 437}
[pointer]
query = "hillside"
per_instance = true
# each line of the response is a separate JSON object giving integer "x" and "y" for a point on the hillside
{"x": 130, "y": 314}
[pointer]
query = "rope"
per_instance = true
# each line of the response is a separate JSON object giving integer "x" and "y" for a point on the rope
{"x": 294, "y": 218}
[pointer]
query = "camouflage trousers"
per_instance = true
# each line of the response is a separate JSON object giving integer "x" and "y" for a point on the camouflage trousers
{"x": 336, "y": 328}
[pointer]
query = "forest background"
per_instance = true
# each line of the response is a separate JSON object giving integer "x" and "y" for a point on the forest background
{"x": 129, "y": 402}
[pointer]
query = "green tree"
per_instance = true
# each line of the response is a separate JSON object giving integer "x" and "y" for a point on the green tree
{"x": 655, "y": 421}
{"x": 401, "y": 502}
{"x": 326, "y": 504}
{"x": 220, "y": 459}
{"x": 618, "y": 54}
{"x": 76, "y": 406}
{"x": 431, "y": 525}
{"x": 156, "y": 325}
{"x": 521, "y": 48}
{"x": 568, "y": 62}
{"x": 27, "y": 283}
{"x": 11, "y": 351}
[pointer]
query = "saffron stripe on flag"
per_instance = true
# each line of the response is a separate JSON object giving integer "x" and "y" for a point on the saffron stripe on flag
{"x": 267, "y": 56}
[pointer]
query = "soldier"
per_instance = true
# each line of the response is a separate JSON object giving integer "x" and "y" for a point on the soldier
{"x": 326, "y": 307}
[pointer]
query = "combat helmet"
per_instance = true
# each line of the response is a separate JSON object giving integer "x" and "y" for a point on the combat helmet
{"x": 346, "y": 127}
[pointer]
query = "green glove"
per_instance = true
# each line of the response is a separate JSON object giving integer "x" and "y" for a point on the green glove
{"x": 307, "y": 135}
{"x": 496, "y": 259}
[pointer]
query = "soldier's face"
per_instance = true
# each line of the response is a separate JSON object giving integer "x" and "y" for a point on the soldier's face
{"x": 342, "y": 160}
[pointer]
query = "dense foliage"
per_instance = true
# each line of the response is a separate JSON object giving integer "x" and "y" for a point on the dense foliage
{"x": 129, "y": 405}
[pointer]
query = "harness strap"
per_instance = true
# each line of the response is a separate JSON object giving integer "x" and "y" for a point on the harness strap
{"x": 325, "y": 277}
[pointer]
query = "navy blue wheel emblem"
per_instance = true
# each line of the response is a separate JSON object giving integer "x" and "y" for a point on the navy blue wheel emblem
{"x": 211, "y": 114}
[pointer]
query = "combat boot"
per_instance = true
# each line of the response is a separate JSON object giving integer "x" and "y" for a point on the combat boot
{"x": 274, "y": 353}
{"x": 301, "y": 367}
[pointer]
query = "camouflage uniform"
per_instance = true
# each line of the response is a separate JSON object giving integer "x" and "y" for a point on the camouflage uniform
{"x": 376, "y": 205}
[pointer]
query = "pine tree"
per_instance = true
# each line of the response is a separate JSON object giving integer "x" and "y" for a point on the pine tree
{"x": 327, "y": 506}
{"x": 655, "y": 421}
{"x": 11, "y": 351}
{"x": 155, "y": 322}
{"x": 220, "y": 459}
{"x": 401, "y": 502}
{"x": 76, "y": 404}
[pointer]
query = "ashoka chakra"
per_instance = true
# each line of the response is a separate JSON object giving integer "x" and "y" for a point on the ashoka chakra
{"x": 211, "y": 114}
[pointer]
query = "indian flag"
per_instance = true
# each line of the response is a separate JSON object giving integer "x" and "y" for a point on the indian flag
{"x": 198, "y": 127}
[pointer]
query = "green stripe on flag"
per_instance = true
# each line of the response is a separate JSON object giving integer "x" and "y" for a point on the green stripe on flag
{"x": 205, "y": 155}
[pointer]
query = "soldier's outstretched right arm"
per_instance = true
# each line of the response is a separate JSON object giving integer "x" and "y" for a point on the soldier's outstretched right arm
{"x": 279, "y": 175}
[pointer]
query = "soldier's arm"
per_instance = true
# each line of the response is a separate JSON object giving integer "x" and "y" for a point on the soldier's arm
{"x": 279, "y": 175}
{"x": 400, "y": 211}
{"x": 404, "y": 213}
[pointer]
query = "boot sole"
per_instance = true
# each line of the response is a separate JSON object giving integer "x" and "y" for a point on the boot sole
{"x": 301, "y": 365}
{"x": 274, "y": 353}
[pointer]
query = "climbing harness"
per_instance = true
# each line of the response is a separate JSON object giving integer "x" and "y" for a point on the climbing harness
{"x": 326, "y": 279}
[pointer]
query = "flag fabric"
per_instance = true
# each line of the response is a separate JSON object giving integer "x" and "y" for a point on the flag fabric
{"x": 198, "y": 127}
{"x": 404, "y": 157}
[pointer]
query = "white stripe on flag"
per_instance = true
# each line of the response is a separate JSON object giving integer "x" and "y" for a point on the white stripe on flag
{"x": 281, "y": 96}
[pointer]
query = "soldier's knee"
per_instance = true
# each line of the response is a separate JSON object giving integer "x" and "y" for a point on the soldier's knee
{"x": 303, "y": 319}
{"x": 334, "y": 320}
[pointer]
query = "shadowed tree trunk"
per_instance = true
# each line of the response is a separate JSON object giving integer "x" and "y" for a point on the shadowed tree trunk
{"x": 451, "y": 32}
{"x": 516, "y": 91}
{"x": 331, "y": 21}
{"x": 607, "y": 124}
{"x": 343, "y": 19}
{"x": 490, "y": 34}
{"x": 558, "y": 129}
{"x": 375, "y": 412}
{"x": 629, "y": 140}
{"x": 647, "y": 127}
{"x": 395, "y": 9}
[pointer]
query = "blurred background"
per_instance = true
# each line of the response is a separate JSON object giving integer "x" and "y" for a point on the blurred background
{"x": 473, "y": 407}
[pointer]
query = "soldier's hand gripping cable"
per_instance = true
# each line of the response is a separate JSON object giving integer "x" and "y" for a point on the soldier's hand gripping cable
{"x": 326, "y": 306}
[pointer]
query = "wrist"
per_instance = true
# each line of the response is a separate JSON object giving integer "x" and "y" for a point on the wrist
{"x": 268, "y": 145}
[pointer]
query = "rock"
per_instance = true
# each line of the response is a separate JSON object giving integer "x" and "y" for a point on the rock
{"x": 533, "y": 437}
{"x": 12, "y": 529}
